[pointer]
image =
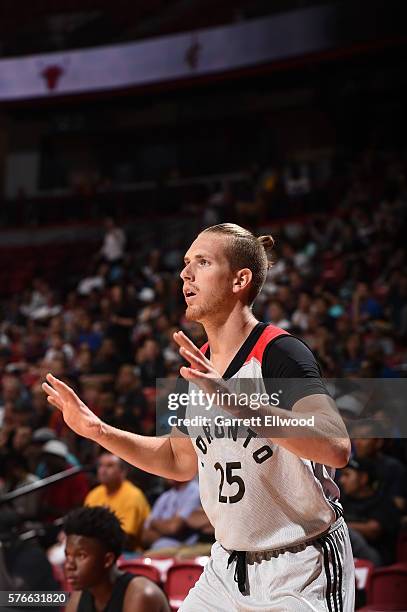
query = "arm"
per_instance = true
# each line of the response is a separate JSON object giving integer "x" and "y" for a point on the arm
{"x": 198, "y": 521}
{"x": 370, "y": 529}
{"x": 172, "y": 458}
{"x": 169, "y": 527}
{"x": 149, "y": 536}
{"x": 144, "y": 596}
{"x": 326, "y": 442}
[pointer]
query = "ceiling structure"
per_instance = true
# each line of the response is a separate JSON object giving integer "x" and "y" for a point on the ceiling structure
{"x": 41, "y": 26}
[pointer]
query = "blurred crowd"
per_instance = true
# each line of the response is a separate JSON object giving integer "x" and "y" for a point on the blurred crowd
{"x": 338, "y": 281}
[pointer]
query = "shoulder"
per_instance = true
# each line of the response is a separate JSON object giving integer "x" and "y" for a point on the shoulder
{"x": 73, "y": 603}
{"x": 289, "y": 355}
{"x": 129, "y": 489}
{"x": 289, "y": 345}
{"x": 289, "y": 358}
{"x": 143, "y": 594}
{"x": 95, "y": 494}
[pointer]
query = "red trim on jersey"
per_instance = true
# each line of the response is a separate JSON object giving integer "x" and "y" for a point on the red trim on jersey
{"x": 204, "y": 347}
{"x": 269, "y": 333}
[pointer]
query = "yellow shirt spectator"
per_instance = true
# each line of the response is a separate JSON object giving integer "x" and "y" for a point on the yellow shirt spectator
{"x": 123, "y": 498}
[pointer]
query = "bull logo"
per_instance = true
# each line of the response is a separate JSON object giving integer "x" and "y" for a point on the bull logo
{"x": 52, "y": 74}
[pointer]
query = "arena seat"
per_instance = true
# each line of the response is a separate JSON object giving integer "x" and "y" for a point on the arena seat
{"x": 387, "y": 589}
{"x": 139, "y": 567}
{"x": 181, "y": 577}
{"x": 363, "y": 569}
{"x": 402, "y": 547}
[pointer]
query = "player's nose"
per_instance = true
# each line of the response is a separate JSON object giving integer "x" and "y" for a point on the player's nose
{"x": 187, "y": 272}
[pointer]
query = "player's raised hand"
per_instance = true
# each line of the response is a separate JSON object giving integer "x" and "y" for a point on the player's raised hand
{"x": 76, "y": 414}
{"x": 201, "y": 370}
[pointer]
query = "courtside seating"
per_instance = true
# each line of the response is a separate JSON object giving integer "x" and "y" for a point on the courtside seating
{"x": 402, "y": 547}
{"x": 387, "y": 589}
{"x": 363, "y": 569}
{"x": 139, "y": 567}
{"x": 181, "y": 577}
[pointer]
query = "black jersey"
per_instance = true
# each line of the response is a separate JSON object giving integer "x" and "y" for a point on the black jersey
{"x": 116, "y": 601}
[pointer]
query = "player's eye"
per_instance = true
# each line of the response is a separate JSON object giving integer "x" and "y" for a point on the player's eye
{"x": 203, "y": 261}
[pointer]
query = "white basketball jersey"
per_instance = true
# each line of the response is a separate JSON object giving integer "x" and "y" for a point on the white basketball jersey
{"x": 258, "y": 495}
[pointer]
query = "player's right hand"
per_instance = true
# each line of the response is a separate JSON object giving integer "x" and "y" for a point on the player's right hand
{"x": 76, "y": 414}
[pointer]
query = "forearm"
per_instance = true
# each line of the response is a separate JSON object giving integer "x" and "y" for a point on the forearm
{"x": 149, "y": 536}
{"x": 324, "y": 441}
{"x": 197, "y": 520}
{"x": 155, "y": 455}
{"x": 168, "y": 527}
{"x": 371, "y": 530}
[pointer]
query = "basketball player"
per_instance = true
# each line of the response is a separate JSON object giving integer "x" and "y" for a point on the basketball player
{"x": 281, "y": 542}
{"x": 94, "y": 542}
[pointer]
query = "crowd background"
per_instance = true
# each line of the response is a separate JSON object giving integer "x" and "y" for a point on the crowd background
{"x": 312, "y": 153}
{"x": 338, "y": 281}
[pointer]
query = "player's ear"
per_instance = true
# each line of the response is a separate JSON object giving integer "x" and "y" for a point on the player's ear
{"x": 109, "y": 560}
{"x": 242, "y": 279}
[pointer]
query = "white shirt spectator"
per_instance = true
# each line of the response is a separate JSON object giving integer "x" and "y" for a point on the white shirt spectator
{"x": 113, "y": 244}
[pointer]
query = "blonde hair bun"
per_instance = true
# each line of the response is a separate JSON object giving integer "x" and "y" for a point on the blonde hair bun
{"x": 267, "y": 242}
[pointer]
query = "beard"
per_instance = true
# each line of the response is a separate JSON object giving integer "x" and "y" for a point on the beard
{"x": 207, "y": 309}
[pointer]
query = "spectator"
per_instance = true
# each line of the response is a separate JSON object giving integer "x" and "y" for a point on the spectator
{"x": 301, "y": 314}
{"x": 94, "y": 282}
{"x": 94, "y": 541}
{"x": 87, "y": 333}
{"x": 128, "y": 388}
{"x": 122, "y": 319}
{"x": 151, "y": 363}
{"x": 121, "y": 496}
{"x": 167, "y": 524}
{"x": 364, "y": 305}
{"x": 114, "y": 243}
{"x": 35, "y": 451}
{"x": 63, "y": 495}
{"x": 107, "y": 361}
{"x": 57, "y": 348}
{"x": 198, "y": 521}
{"x": 21, "y": 438}
{"x": 42, "y": 410}
{"x": 391, "y": 472}
{"x": 353, "y": 356}
{"x": 368, "y": 511}
{"x": 17, "y": 475}
{"x": 276, "y": 314}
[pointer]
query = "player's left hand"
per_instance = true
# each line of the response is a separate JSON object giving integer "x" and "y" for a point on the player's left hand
{"x": 201, "y": 371}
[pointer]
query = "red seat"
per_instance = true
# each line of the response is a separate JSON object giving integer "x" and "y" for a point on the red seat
{"x": 139, "y": 567}
{"x": 387, "y": 588}
{"x": 363, "y": 569}
{"x": 402, "y": 547}
{"x": 181, "y": 577}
